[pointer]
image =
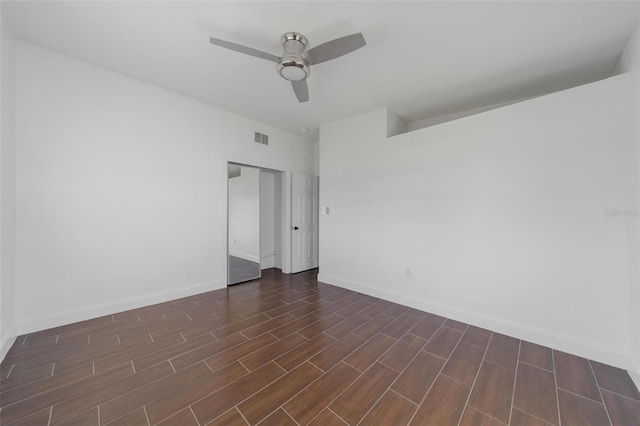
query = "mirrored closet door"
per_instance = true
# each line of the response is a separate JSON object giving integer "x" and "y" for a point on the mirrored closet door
{"x": 244, "y": 223}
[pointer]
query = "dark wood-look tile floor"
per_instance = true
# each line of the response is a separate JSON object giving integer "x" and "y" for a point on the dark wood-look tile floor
{"x": 287, "y": 350}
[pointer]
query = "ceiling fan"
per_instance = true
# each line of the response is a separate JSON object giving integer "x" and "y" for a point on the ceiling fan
{"x": 295, "y": 61}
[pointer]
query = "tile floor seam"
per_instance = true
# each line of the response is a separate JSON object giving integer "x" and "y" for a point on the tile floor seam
{"x": 435, "y": 379}
{"x": 44, "y": 392}
{"x": 483, "y": 412}
{"x": 401, "y": 396}
{"x": 295, "y": 332}
{"x": 312, "y": 419}
{"x": 376, "y": 401}
{"x": 405, "y": 367}
{"x": 339, "y": 361}
{"x": 237, "y": 411}
{"x": 258, "y": 391}
{"x": 535, "y": 417}
{"x": 340, "y": 393}
{"x": 537, "y": 366}
{"x": 555, "y": 382}
{"x": 144, "y": 408}
{"x": 454, "y": 379}
{"x": 296, "y": 394}
{"x": 287, "y": 413}
{"x": 243, "y": 366}
{"x": 194, "y": 415}
{"x": 381, "y": 395}
{"x": 336, "y": 414}
{"x": 436, "y": 355}
{"x": 498, "y": 365}
{"x": 484, "y": 355}
{"x": 620, "y": 395}
{"x": 515, "y": 381}
{"x": 451, "y": 328}
{"x": 477, "y": 346}
{"x": 606, "y": 410}
{"x": 581, "y": 396}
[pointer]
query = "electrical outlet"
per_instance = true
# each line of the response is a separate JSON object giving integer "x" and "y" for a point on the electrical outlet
{"x": 408, "y": 272}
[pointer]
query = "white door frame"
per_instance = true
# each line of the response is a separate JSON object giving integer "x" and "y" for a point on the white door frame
{"x": 224, "y": 222}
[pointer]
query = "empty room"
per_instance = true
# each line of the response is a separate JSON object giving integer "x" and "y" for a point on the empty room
{"x": 320, "y": 213}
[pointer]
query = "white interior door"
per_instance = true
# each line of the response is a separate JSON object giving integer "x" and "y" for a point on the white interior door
{"x": 304, "y": 222}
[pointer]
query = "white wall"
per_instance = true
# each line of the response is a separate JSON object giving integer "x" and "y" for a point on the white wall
{"x": 245, "y": 214}
{"x": 431, "y": 121}
{"x": 316, "y": 157}
{"x": 121, "y": 189}
{"x": 501, "y": 216}
{"x": 8, "y": 190}
{"x": 629, "y": 62}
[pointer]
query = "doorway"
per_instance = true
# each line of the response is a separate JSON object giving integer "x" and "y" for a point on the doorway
{"x": 255, "y": 218}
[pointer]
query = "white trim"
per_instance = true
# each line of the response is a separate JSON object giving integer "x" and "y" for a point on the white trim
{"x": 29, "y": 325}
{"x": 520, "y": 331}
{"x": 7, "y": 341}
{"x": 634, "y": 372}
{"x": 286, "y": 207}
{"x": 245, "y": 256}
{"x": 268, "y": 261}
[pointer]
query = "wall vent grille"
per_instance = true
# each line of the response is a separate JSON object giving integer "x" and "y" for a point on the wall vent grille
{"x": 260, "y": 138}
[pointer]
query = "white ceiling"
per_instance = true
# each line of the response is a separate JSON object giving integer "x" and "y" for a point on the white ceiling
{"x": 422, "y": 59}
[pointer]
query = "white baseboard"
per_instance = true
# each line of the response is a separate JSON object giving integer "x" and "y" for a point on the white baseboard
{"x": 510, "y": 328}
{"x": 268, "y": 261}
{"x": 634, "y": 372}
{"x": 245, "y": 256}
{"x": 7, "y": 341}
{"x": 30, "y": 325}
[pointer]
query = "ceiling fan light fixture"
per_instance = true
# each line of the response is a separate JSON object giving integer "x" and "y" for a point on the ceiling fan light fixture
{"x": 292, "y": 65}
{"x": 293, "y": 70}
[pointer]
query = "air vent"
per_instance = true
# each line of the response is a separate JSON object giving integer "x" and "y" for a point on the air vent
{"x": 260, "y": 138}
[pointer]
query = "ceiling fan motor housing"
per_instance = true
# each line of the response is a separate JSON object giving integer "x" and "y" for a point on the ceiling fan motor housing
{"x": 292, "y": 65}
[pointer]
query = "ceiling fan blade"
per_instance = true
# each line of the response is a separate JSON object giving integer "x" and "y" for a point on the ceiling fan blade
{"x": 301, "y": 90}
{"x": 244, "y": 49}
{"x": 336, "y": 48}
